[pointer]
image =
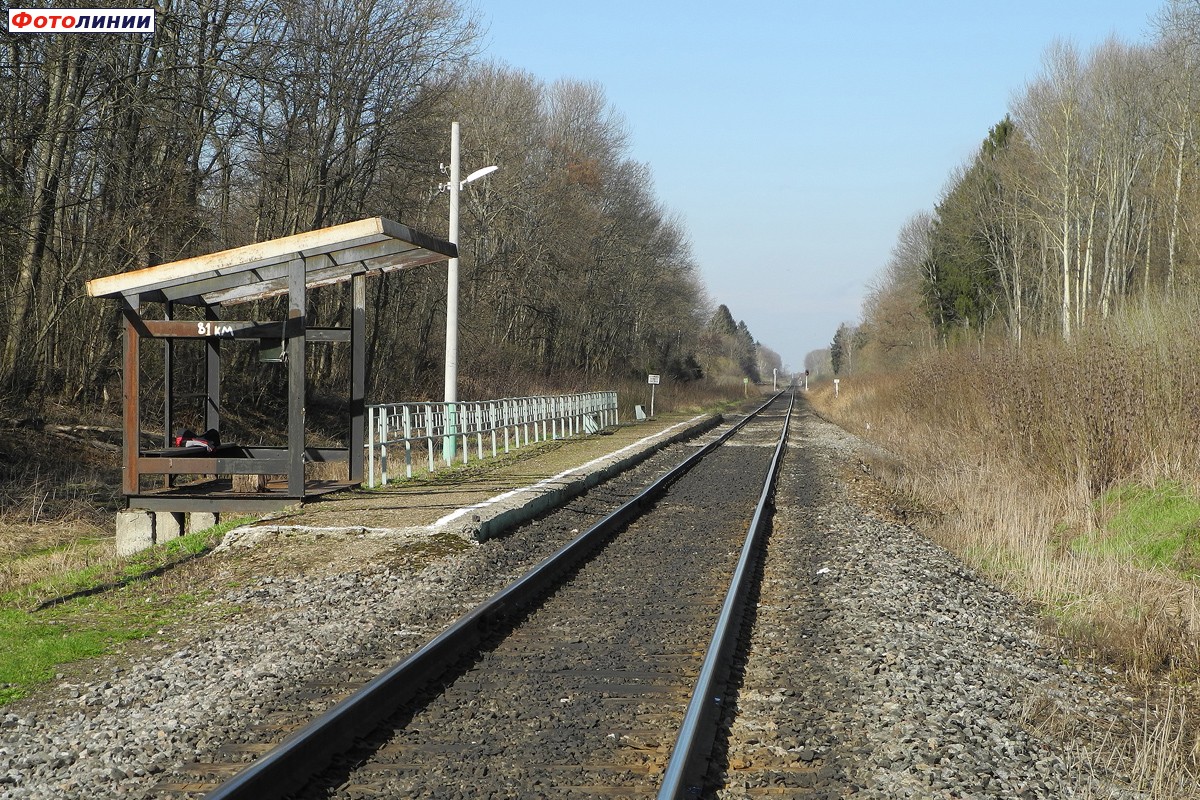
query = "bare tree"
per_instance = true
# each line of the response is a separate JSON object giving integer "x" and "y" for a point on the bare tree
{"x": 1176, "y": 108}
{"x": 1051, "y": 114}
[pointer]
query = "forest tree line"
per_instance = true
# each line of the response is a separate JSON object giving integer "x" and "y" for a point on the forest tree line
{"x": 1083, "y": 199}
{"x": 239, "y": 121}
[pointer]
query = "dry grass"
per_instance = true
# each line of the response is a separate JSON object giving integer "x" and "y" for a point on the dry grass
{"x": 57, "y": 499}
{"x": 1008, "y": 454}
{"x": 28, "y": 556}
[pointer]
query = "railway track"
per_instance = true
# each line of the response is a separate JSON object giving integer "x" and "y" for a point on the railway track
{"x": 579, "y": 679}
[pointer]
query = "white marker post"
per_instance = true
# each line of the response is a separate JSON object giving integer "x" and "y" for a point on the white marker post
{"x": 835, "y": 387}
{"x": 653, "y": 380}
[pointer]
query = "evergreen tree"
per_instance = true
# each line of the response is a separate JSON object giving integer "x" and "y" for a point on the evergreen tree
{"x": 722, "y": 322}
{"x": 964, "y": 289}
{"x": 841, "y": 350}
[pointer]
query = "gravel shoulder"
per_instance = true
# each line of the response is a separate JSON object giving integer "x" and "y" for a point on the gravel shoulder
{"x": 881, "y": 667}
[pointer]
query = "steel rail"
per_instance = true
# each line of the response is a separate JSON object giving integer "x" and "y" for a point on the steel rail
{"x": 689, "y": 760}
{"x": 293, "y": 762}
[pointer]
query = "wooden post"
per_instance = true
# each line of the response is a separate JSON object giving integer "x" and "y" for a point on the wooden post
{"x": 168, "y": 387}
{"x": 358, "y": 377}
{"x": 130, "y": 408}
{"x": 168, "y": 381}
{"x": 294, "y": 337}
{"x": 212, "y": 376}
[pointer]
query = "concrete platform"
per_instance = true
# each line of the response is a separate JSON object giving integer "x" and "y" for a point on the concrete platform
{"x": 484, "y": 498}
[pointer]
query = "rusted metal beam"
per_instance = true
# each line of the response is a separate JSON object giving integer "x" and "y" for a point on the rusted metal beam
{"x": 234, "y": 330}
{"x": 294, "y": 347}
{"x": 130, "y": 407}
{"x": 358, "y": 377}
{"x": 212, "y": 376}
{"x": 210, "y": 329}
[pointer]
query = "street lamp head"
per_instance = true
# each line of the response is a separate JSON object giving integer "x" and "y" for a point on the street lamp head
{"x": 477, "y": 174}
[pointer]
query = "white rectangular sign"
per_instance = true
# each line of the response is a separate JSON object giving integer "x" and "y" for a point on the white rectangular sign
{"x": 652, "y": 379}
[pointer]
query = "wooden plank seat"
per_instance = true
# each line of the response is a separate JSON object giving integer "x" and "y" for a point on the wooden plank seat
{"x": 230, "y": 459}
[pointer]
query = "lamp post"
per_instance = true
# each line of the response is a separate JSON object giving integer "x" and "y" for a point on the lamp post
{"x": 455, "y": 186}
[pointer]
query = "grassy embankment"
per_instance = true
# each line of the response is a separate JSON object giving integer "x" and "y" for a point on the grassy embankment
{"x": 72, "y": 614}
{"x": 1070, "y": 474}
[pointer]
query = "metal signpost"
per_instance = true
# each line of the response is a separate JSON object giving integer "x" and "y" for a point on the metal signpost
{"x": 653, "y": 380}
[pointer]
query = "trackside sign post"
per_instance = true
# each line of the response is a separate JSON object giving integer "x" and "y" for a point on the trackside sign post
{"x": 653, "y": 380}
{"x": 81, "y": 20}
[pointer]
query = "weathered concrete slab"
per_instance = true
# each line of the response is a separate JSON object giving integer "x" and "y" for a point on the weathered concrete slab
{"x": 201, "y": 520}
{"x": 168, "y": 525}
{"x": 135, "y": 531}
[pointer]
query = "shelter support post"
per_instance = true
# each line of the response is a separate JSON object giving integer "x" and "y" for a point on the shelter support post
{"x": 212, "y": 376}
{"x": 168, "y": 382}
{"x": 294, "y": 342}
{"x": 358, "y": 377}
{"x": 130, "y": 407}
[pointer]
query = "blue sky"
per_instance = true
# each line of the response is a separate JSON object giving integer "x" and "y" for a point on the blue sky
{"x": 794, "y": 139}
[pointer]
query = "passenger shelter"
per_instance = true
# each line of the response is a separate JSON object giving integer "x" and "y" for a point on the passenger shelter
{"x": 213, "y": 283}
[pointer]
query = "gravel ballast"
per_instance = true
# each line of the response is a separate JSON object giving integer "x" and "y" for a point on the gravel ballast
{"x": 880, "y": 666}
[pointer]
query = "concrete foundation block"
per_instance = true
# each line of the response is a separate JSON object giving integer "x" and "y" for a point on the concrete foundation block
{"x": 201, "y": 520}
{"x": 168, "y": 525}
{"x": 135, "y": 531}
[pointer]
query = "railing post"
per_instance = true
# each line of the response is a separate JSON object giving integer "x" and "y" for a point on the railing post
{"x": 371, "y": 447}
{"x": 525, "y": 418}
{"x": 430, "y": 423}
{"x": 508, "y": 423}
{"x": 406, "y": 422}
{"x": 535, "y": 413}
{"x": 492, "y": 425}
{"x": 479, "y": 430}
{"x": 516, "y": 422}
{"x": 383, "y": 437}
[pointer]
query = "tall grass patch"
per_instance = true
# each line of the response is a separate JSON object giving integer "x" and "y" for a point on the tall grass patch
{"x": 1067, "y": 472}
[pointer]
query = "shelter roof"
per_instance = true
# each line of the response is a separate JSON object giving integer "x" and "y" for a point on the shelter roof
{"x": 259, "y": 271}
